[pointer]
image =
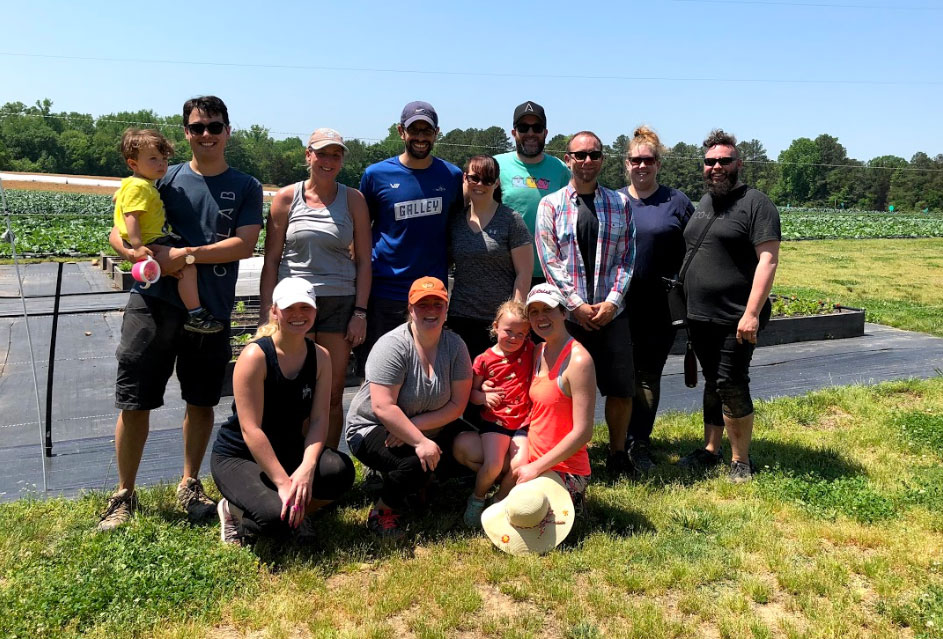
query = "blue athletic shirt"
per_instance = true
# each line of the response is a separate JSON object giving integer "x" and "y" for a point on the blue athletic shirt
{"x": 659, "y": 241}
{"x": 410, "y": 210}
{"x": 204, "y": 210}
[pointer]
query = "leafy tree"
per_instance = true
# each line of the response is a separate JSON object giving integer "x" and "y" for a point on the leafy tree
{"x": 798, "y": 175}
{"x": 683, "y": 169}
{"x": 758, "y": 171}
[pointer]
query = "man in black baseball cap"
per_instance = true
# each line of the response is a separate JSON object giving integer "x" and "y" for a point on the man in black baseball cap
{"x": 527, "y": 173}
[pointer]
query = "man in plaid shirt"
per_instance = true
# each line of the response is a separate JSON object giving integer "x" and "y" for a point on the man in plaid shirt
{"x": 586, "y": 244}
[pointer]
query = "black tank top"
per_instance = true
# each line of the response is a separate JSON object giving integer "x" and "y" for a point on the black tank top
{"x": 287, "y": 404}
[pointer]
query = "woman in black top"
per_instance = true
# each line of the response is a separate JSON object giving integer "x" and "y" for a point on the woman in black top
{"x": 269, "y": 460}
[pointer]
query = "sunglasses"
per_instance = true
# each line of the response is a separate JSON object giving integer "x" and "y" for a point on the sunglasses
{"x": 721, "y": 161}
{"x": 582, "y": 155}
{"x": 477, "y": 179}
{"x": 197, "y": 128}
{"x": 647, "y": 159}
{"x": 420, "y": 131}
{"x": 524, "y": 128}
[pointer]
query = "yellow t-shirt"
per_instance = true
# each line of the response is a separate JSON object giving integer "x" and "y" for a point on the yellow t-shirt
{"x": 138, "y": 194}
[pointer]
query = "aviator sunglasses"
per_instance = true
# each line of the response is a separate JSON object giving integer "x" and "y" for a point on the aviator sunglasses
{"x": 197, "y": 128}
{"x": 721, "y": 161}
{"x": 477, "y": 179}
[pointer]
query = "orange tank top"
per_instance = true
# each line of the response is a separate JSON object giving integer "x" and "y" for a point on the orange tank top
{"x": 551, "y": 416}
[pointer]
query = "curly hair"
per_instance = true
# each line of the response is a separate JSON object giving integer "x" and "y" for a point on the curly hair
{"x": 133, "y": 140}
{"x": 722, "y": 138}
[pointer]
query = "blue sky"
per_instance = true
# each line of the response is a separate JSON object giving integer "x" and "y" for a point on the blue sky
{"x": 869, "y": 72}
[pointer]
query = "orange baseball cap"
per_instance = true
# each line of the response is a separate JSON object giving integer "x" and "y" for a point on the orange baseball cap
{"x": 428, "y": 287}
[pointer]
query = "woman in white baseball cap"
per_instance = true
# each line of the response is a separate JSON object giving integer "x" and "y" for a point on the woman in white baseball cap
{"x": 270, "y": 460}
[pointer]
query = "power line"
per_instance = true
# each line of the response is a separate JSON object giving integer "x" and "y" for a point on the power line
{"x": 439, "y": 143}
{"x": 485, "y": 74}
{"x": 817, "y": 5}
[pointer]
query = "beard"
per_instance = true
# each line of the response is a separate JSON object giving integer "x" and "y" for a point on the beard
{"x": 417, "y": 154}
{"x": 722, "y": 189}
{"x": 530, "y": 154}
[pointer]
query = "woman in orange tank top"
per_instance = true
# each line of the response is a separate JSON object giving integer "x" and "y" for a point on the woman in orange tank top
{"x": 563, "y": 392}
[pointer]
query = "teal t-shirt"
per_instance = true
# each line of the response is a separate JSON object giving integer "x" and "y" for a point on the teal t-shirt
{"x": 522, "y": 186}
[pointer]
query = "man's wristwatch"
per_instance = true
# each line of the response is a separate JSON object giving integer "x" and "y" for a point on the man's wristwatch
{"x": 190, "y": 259}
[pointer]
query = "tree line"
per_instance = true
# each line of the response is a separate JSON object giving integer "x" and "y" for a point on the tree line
{"x": 810, "y": 172}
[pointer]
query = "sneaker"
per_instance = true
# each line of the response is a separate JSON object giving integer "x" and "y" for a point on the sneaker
{"x": 372, "y": 482}
{"x": 473, "y": 510}
{"x": 700, "y": 458}
{"x": 740, "y": 472}
{"x": 618, "y": 464}
{"x": 640, "y": 457}
{"x": 385, "y": 523}
{"x": 192, "y": 498}
{"x": 203, "y": 323}
{"x": 229, "y": 521}
{"x": 121, "y": 506}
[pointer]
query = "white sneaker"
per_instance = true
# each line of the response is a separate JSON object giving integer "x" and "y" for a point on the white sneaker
{"x": 228, "y": 523}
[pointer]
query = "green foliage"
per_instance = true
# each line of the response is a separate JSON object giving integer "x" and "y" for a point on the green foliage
{"x": 792, "y": 306}
{"x": 852, "y": 497}
{"x": 821, "y": 225}
{"x": 922, "y": 430}
{"x": 923, "y": 613}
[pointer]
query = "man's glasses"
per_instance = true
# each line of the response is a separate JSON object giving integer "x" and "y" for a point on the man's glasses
{"x": 477, "y": 179}
{"x": 420, "y": 131}
{"x": 197, "y": 128}
{"x": 582, "y": 155}
{"x": 637, "y": 160}
{"x": 524, "y": 128}
{"x": 720, "y": 161}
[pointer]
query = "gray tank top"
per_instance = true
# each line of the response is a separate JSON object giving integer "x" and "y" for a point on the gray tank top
{"x": 317, "y": 244}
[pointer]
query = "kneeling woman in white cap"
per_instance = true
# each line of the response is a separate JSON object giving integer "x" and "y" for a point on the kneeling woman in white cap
{"x": 563, "y": 392}
{"x": 270, "y": 461}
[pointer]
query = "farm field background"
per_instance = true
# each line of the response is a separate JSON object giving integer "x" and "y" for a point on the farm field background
{"x": 60, "y": 223}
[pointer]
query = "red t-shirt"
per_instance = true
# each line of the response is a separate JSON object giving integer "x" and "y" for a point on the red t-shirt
{"x": 512, "y": 374}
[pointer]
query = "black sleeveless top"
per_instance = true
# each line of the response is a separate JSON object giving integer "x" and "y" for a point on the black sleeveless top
{"x": 287, "y": 404}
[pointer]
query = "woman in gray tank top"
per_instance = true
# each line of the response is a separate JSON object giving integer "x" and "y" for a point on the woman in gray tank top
{"x": 319, "y": 230}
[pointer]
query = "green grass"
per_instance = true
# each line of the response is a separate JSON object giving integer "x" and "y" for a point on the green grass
{"x": 840, "y": 535}
{"x": 897, "y": 281}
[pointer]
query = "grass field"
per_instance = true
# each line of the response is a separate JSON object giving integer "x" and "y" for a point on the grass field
{"x": 899, "y": 282}
{"x": 840, "y": 535}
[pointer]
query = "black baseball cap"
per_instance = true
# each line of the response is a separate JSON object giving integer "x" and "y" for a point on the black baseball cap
{"x": 529, "y": 108}
{"x": 416, "y": 111}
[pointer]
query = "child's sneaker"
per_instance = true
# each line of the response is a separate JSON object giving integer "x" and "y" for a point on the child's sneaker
{"x": 473, "y": 511}
{"x": 203, "y": 322}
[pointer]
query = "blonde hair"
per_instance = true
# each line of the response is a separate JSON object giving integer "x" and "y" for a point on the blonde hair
{"x": 269, "y": 328}
{"x": 645, "y": 135}
{"x": 513, "y": 308}
{"x": 133, "y": 140}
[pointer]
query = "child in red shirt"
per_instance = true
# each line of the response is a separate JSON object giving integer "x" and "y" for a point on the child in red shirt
{"x": 501, "y": 385}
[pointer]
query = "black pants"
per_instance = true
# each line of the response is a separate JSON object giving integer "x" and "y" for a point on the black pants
{"x": 383, "y": 315}
{"x": 403, "y": 476}
{"x": 245, "y": 484}
{"x": 652, "y": 337}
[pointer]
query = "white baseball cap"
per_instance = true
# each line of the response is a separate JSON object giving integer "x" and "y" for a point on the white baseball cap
{"x": 293, "y": 290}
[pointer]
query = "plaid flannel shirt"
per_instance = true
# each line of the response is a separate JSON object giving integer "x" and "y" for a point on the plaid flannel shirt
{"x": 560, "y": 255}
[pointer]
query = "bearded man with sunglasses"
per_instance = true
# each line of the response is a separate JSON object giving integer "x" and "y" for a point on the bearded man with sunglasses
{"x": 217, "y": 211}
{"x": 728, "y": 281}
{"x": 411, "y": 198}
{"x": 527, "y": 173}
{"x": 586, "y": 245}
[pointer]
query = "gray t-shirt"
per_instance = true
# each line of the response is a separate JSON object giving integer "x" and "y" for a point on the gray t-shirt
{"x": 484, "y": 271}
{"x": 395, "y": 361}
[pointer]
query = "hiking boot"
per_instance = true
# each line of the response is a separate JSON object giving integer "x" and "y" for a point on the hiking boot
{"x": 473, "y": 510}
{"x": 203, "y": 322}
{"x": 229, "y": 520}
{"x": 619, "y": 464}
{"x": 385, "y": 523}
{"x": 640, "y": 457}
{"x": 740, "y": 472}
{"x": 700, "y": 458}
{"x": 121, "y": 506}
{"x": 192, "y": 498}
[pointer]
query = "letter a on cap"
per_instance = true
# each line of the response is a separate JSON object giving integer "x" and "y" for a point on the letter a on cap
{"x": 529, "y": 108}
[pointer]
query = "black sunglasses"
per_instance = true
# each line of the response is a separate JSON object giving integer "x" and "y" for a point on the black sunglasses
{"x": 638, "y": 159}
{"x": 424, "y": 131}
{"x": 197, "y": 128}
{"x": 721, "y": 161}
{"x": 582, "y": 155}
{"x": 477, "y": 179}
{"x": 524, "y": 128}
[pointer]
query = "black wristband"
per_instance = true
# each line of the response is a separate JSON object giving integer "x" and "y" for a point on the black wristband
{"x": 360, "y": 308}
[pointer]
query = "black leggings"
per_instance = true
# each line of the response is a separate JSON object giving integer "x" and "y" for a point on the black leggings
{"x": 245, "y": 484}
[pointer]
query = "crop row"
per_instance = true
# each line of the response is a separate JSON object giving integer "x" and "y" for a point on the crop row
{"x": 827, "y": 226}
